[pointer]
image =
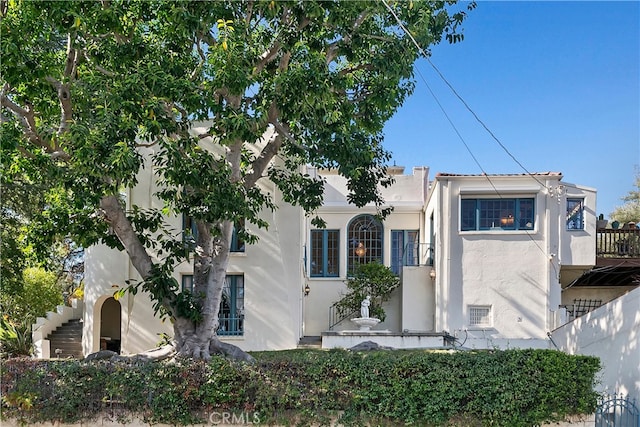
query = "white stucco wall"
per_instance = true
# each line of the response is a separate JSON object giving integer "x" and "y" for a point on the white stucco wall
{"x": 612, "y": 333}
{"x": 418, "y": 299}
{"x": 578, "y": 247}
{"x": 406, "y": 196}
{"x": 515, "y": 273}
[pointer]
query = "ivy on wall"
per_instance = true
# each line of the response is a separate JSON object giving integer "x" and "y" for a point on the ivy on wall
{"x": 503, "y": 388}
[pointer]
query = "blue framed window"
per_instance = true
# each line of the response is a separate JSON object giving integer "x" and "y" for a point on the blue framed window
{"x": 575, "y": 214}
{"x": 325, "y": 253}
{"x": 187, "y": 283}
{"x": 237, "y": 244}
{"x": 497, "y": 214}
{"x": 190, "y": 233}
{"x": 404, "y": 249}
{"x": 364, "y": 241}
{"x": 231, "y": 315}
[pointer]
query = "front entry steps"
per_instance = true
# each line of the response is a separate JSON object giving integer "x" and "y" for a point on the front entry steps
{"x": 66, "y": 340}
{"x": 310, "y": 342}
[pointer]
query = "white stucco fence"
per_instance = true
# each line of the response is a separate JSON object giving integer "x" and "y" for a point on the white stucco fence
{"x": 612, "y": 333}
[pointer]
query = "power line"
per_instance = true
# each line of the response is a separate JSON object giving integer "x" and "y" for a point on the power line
{"x": 424, "y": 53}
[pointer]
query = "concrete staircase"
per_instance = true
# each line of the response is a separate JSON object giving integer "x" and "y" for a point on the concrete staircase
{"x": 66, "y": 341}
{"x": 46, "y": 327}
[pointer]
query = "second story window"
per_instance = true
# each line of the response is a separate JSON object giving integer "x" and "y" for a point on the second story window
{"x": 190, "y": 234}
{"x": 497, "y": 214}
{"x": 575, "y": 214}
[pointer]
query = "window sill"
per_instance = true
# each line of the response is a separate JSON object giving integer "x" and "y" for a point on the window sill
{"x": 497, "y": 231}
{"x": 231, "y": 337}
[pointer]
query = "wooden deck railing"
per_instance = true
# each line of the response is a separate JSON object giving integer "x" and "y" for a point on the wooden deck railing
{"x": 618, "y": 243}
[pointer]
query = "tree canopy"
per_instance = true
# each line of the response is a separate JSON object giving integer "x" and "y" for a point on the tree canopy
{"x": 630, "y": 210}
{"x": 91, "y": 89}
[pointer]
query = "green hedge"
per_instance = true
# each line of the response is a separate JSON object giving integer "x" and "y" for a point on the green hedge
{"x": 510, "y": 388}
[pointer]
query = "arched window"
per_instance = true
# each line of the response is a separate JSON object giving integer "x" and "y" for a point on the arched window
{"x": 364, "y": 241}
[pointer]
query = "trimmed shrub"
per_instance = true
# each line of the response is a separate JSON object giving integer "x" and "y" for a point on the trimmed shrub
{"x": 502, "y": 388}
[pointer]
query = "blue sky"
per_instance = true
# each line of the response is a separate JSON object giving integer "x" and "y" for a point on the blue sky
{"x": 557, "y": 82}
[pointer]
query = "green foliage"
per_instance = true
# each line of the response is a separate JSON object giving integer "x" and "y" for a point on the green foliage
{"x": 40, "y": 293}
{"x": 630, "y": 210}
{"x": 372, "y": 279}
{"x": 93, "y": 92}
{"x": 15, "y": 337}
{"x": 498, "y": 388}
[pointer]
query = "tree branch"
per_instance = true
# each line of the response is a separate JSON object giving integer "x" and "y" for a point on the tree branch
{"x": 26, "y": 117}
{"x": 352, "y": 70}
{"x": 247, "y": 18}
{"x": 266, "y": 57}
{"x": 332, "y": 49}
{"x": 233, "y": 157}
{"x": 71, "y": 64}
{"x": 262, "y": 161}
{"x": 96, "y": 66}
{"x": 66, "y": 111}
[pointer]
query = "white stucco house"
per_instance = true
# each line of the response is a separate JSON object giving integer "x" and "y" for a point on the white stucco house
{"x": 485, "y": 261}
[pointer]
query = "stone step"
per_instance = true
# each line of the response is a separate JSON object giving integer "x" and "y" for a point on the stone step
{"x": 76, "y": 337}
{"x": 66, "y": 341}
{"x": 310, "y": 342}
{"x": 61, "y": 345}
{"x": 76, "y": 327}
{"x": 66, "y": 334}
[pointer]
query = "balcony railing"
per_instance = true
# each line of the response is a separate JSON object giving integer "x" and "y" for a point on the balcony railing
{"x": 618, "y": 243}
{"x": 230, "y": 325}
{"x": 418, "y": 254}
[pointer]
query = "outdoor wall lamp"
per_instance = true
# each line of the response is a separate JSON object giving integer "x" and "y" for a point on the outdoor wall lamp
{"x": 307, "y": 289}
{"x": 432, "y": 274}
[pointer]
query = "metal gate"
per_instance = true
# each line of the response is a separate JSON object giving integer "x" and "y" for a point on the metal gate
{"x": 617, "y": 411}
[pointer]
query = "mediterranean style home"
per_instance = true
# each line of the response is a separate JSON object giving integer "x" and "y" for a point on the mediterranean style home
{"x": 485, "y": 261}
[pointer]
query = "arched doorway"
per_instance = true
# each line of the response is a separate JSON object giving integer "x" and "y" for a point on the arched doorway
{"x": 110, "y": 319}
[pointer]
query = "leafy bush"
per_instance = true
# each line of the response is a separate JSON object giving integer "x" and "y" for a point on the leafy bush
{"x": 501, "y": 388}
{"x": 15, "y": 337}
{"x": 374, "y": 280}
{"x": 39, "y": 293}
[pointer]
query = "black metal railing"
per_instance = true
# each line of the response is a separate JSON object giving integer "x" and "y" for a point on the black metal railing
{"x": 338, "y": 315}
{"x": 230, "y": 326}
{"x": 581, "y": 307}
{"x": 617, "y": 410}
{"x": 418, "y": 254}
{"x": 618, "y": 243}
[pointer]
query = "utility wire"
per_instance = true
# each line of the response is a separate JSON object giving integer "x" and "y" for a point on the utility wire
{"x": 424, "y": 53}
{"x": 457, "y": 132}
{"x": 506, "y": 150}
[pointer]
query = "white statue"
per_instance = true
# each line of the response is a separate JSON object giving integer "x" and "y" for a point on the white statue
{"x": 364, "y": 307}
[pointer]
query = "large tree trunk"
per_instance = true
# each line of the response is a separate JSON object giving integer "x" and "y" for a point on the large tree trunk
{"x": 193, "y": 340}
{"x": 199, "y": 340}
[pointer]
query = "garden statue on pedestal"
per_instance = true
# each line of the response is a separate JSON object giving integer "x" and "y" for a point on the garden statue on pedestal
{"x": 364, "y": 307}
